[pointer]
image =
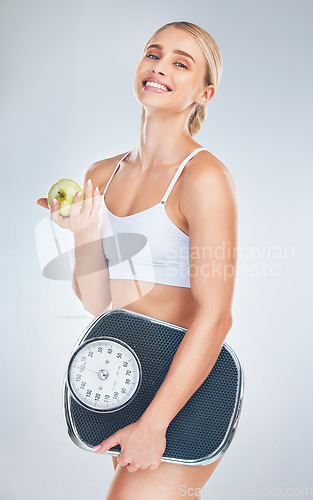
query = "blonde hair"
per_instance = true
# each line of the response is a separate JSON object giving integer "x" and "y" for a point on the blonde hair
{"x": 214, "y": 67}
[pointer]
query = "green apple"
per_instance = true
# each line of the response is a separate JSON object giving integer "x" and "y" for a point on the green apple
{"x": 64, "y": 191}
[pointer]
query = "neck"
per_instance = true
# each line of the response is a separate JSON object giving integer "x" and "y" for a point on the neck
{"x": 163, "y": 139}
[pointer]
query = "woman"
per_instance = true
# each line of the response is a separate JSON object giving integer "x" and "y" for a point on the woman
{"x": 176, "y": 78}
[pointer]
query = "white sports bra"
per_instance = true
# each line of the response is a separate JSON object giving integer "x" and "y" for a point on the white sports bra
{"x": 146, "y": 246}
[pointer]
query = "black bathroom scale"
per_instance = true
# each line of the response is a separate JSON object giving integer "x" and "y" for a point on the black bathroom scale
{"x": 114, "y": 372}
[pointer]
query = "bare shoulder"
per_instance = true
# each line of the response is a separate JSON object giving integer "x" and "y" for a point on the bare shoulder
{"x": 100, "y": 171}
{"x": 205, "y": 164}
{"x": 207, "y": 175}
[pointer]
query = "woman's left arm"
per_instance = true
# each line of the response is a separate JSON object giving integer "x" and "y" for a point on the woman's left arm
{"x": 209, "y": 205}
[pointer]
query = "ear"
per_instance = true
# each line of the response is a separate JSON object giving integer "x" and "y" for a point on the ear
{"x": 207, "y": 95}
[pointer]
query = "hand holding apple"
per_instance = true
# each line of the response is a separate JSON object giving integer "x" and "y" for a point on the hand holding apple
{"x": 73, "y": 209}
{"x": 63, "y": 191}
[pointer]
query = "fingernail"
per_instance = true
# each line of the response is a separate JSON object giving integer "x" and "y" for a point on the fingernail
{"x": 89, "y": 182}
{"x": 79, "y": 195}
{"x": 54, "y": 201}
{"x": 97, "y": 190}
{"x": 96, "y": 447}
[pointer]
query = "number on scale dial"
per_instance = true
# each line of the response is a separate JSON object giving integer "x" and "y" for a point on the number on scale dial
{"x": 104, "y": 374}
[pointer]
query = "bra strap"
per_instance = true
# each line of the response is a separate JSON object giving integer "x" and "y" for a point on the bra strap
{"x": 178, "y": 172}
{"x": 106, "y": 187}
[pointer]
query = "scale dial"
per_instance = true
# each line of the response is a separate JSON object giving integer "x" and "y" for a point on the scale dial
{"x": 104, "y": 374}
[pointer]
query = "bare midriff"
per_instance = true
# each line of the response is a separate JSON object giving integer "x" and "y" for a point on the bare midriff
{"x": 168, "y": 303}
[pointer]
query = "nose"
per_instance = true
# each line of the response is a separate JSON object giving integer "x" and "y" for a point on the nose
{"x": 158, "y": 69}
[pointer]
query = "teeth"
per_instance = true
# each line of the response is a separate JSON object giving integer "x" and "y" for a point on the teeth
{"x": 157, "y": 85}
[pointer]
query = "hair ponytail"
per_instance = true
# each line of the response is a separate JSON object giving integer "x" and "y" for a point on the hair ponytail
{"x": 196, "y": 119}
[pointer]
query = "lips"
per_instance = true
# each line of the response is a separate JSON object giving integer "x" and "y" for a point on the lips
{"x": 156, "y": 81}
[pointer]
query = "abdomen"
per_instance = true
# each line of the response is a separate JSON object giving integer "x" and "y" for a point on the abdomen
{"x": 168, "y": 303}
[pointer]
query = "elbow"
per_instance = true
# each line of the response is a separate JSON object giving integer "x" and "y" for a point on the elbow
{"x": 225, "y": 323}
{"x": 223, "y": 320}
{"x": 221, "y": 328}
{"x": 224, "y": 326}
{"x": 75, "y": 287}
{"x": 218, "y": 324}
{"x": 229, "y": 322}
{"x": 97, "y": 311}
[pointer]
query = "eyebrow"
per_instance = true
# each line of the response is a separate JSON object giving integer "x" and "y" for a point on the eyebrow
{"x": 177, "y": 51}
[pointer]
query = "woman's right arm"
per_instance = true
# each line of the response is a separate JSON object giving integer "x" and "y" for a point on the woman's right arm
{"x": 91, "y": 281}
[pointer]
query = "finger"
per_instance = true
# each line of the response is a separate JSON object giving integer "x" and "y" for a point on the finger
{"x": 144, "y": 466}
{"x": 76, "y": 206}
{"x": 132, "y": 468}
{"x": 87, "y": 200}
{"x": 55, "y": 215}
{"x": 122, "y": 461}
{"x": 153, "y": 467}
{"x": 107, "y": 444}
{"x": 43, "y": 202}
{"x": 97, "y": 198}
{"x": 96, "y": 205}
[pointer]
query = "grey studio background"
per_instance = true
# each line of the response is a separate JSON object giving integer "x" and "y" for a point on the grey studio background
{"x": 67, "y": 101}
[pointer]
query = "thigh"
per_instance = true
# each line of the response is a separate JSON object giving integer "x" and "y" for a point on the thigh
{"x": 168, "y": 482}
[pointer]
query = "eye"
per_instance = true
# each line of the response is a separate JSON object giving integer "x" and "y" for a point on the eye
{"x": 154, "y": 56}
{"x": 182, "y": 65}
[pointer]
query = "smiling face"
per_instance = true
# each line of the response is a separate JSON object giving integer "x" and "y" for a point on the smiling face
{"x": 174, "y": 60}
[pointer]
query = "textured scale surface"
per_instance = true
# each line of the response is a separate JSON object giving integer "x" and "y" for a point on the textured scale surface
{"x": 201, "y": 427}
